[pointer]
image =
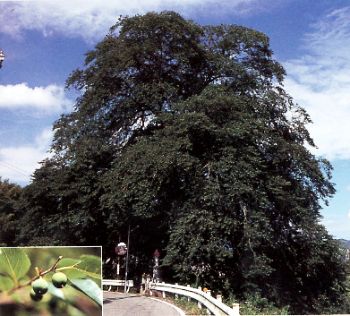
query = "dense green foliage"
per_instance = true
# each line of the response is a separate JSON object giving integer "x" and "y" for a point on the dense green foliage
{"x": 9, "y": 196}
{"x": 185, "y": 134}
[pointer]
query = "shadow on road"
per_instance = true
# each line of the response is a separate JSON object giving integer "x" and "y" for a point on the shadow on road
{"x": 113, "y": 299}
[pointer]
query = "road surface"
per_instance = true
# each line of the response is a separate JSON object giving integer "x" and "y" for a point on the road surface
{"x": 116, "y": 304}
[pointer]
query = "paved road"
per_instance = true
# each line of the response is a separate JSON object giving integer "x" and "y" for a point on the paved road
{"x": 115, "y": 304}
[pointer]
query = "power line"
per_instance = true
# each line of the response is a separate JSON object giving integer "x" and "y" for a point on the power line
{"x": 13, "y": 168}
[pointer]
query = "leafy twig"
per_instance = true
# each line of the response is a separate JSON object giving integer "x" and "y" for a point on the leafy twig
{"x": 70, "y": 267}
{"x": 39, "y": 274}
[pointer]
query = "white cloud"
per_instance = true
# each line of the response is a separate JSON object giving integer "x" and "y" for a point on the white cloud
{"x": 50, "y": 99}
{"x": 92, "y": 19}
{"x": 338, "y": 227}
{"x": 319, "y": 81}
{"x": 18, "y": 163}
{"x": 337, "y": 223}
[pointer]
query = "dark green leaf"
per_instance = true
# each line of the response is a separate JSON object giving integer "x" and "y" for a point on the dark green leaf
{"x": 89, "y": 288}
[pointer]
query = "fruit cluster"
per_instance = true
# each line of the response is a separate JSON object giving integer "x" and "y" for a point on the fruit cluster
{"x": 40, "y": 286}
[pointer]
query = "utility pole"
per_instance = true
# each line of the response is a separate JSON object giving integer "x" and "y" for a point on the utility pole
{"x": 127, "y": 261}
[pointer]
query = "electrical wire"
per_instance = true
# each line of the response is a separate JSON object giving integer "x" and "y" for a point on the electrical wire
{"x": 13, "y": 168}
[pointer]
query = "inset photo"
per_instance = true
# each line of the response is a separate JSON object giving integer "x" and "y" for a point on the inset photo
{"x": 50, "y": 281}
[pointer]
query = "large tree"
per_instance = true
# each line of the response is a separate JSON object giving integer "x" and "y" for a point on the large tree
{"x": 185, "y": 134}
{"x": 9, "y": 196}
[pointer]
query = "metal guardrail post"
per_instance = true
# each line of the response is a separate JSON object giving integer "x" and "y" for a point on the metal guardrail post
{"x": 163, "y": 293}
{"x": 199, "y": 304}
{"x": 235, "y": 307}
{"x": 176, "y": 295}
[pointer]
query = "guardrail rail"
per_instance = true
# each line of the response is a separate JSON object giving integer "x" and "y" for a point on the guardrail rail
{"x": 117, "y": 283}
{"x": 215, "y": 306}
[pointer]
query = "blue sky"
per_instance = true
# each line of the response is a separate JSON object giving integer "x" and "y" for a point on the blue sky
{"x": 45, "y": 40}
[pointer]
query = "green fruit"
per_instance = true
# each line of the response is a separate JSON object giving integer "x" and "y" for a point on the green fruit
{"x": 34, "y": 296}
{"x": 40, "y": 286}
{"x": 59, "y": 279}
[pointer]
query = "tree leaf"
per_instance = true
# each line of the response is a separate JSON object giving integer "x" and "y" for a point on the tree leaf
{"x": 91, "y": 265}
{"x": 55, "y": 291}
{"x": 14, "y": 262}
{"x": 86, "y": 266}
{"x": 6, "y": 283}
{"x": 89, "y": 288}
{"x": 67, "y": 263}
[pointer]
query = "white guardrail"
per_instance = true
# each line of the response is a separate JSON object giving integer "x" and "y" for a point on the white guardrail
{"x": 118, "y": 283}
{"x": 215, "y": 306}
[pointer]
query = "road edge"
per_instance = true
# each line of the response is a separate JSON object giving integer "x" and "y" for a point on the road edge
{"x": 180, "y": 311}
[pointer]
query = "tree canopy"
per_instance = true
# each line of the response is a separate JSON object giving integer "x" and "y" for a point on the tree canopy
{"x": 9, "y": 196}
{"x": 184, "y": 133}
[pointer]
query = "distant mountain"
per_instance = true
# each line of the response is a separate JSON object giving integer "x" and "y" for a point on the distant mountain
{"x": 345, "y": 243}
